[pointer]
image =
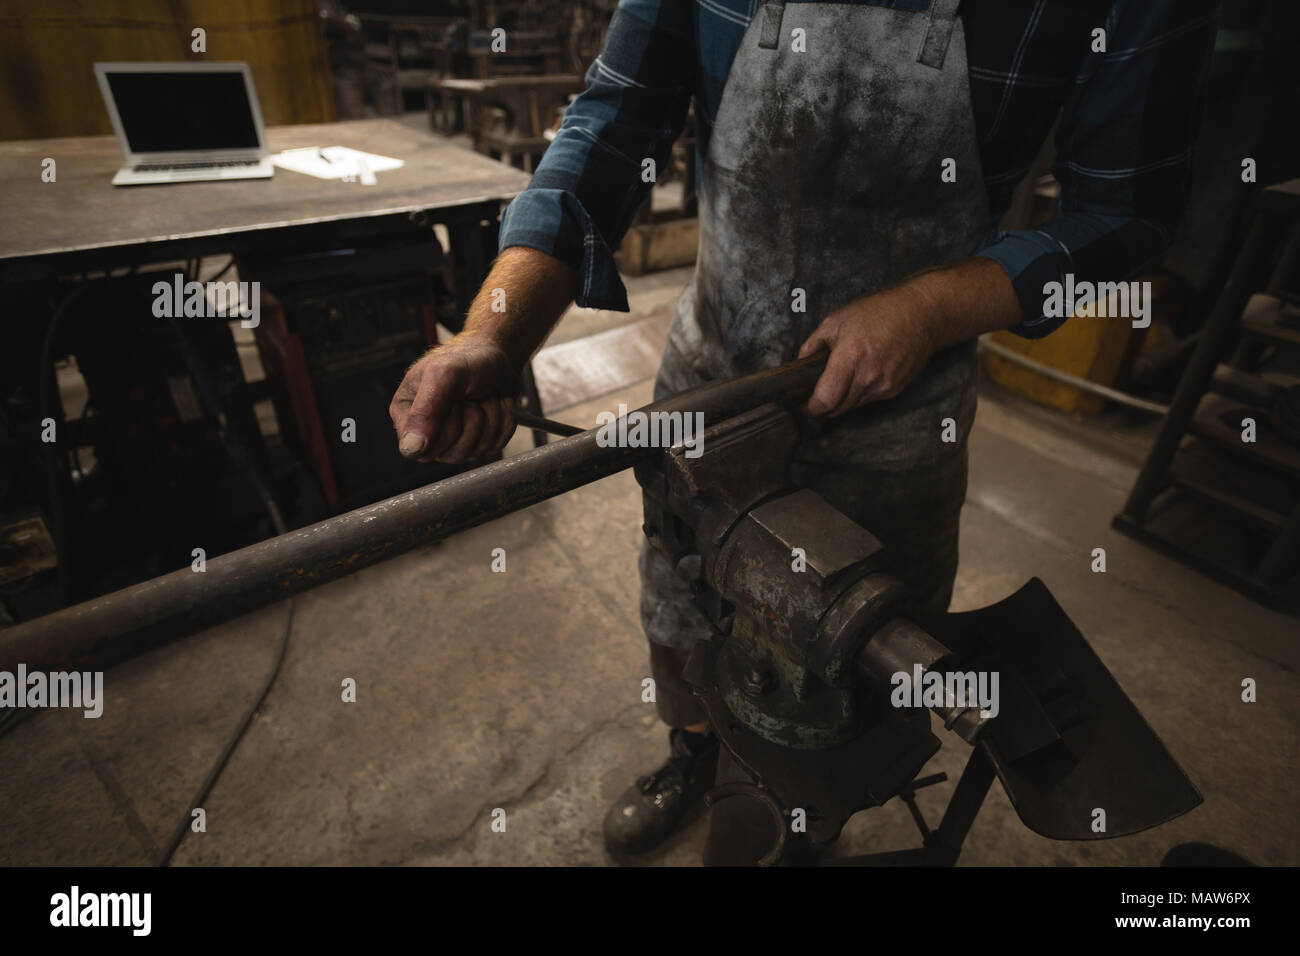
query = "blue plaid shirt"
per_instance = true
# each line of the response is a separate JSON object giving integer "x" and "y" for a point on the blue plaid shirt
{"x": 1123, "y": 147}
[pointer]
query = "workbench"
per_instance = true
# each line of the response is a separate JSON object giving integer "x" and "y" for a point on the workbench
{"x": 56, "y": 235}
{"x": 81, "y": 223}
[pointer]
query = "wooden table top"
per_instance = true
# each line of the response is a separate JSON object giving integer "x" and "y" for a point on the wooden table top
{"x": 82, "y": 210}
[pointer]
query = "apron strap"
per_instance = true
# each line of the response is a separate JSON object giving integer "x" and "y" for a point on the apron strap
{"x": 943, "y": 15}
{"x": 934, "y": 48}
{"x": 770, "y": 31}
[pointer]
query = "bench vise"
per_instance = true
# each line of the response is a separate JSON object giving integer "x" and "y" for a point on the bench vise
{"x": 811, "y": 637}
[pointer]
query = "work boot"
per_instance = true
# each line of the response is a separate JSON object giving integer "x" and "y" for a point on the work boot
{"x": 647, "y": 812}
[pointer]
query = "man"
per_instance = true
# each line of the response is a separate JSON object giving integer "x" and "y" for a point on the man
{"x": 853, "y": 161}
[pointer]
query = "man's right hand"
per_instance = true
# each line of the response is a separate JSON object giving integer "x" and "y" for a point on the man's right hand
{"x": 457, "y": 403}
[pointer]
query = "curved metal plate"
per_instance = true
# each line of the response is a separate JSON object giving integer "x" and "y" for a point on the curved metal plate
{"x": 1068, "y": 741}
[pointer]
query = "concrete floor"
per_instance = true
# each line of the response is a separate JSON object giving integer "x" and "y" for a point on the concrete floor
{"x": 522, "y": 690}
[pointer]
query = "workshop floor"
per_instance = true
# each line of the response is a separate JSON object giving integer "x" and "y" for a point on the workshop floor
{"x": 521, "y": 691}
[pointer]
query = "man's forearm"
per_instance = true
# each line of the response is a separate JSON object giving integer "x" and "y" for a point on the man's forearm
{"x": 965, "y": 300}
{"x": 521, "y": 300}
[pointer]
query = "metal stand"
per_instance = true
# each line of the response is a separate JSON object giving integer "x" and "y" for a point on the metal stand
{"x": 939, "y": 847}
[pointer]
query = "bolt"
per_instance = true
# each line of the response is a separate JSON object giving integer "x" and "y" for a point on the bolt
{"x": 758, "y": 682}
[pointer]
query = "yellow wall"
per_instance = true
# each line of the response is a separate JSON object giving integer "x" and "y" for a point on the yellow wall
{"x": 48, "y": 48}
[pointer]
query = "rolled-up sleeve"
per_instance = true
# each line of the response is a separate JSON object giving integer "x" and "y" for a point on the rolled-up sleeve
{"x": 592, "y": 180}
{"x": 1124, "y": 148}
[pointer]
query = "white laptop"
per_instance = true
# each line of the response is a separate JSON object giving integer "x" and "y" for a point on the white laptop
{"x": 182, "y": 122}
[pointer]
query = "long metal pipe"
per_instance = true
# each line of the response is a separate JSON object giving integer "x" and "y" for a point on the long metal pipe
{"x": 112, "y": 628}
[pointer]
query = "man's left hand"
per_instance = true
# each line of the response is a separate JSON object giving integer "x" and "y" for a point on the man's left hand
{"x": 878, "y": 344}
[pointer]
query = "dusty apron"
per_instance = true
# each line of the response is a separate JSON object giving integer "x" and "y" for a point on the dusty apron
{"x": 823, "y": 177}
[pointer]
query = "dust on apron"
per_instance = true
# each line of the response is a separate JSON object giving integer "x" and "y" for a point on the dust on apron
{"x": 822, "y": 184}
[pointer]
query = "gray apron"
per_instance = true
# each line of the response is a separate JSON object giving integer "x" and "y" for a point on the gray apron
{"x": 823, "y": 175}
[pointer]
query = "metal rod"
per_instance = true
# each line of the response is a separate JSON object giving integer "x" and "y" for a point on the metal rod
{"x": 1065, "y": 378}
{"x": 117, "y": 626}
{"x": 538, "y": 423}
{"x": 972, "y": 787}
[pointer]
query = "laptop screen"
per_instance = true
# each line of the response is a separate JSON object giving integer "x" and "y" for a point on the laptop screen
{"x": 171, "y": 112}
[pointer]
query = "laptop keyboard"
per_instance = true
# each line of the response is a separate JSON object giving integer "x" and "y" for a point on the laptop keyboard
{"x": 159, "y": 167}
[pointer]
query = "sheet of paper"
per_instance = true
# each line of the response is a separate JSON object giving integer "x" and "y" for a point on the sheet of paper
{"x": 336, "y": 162}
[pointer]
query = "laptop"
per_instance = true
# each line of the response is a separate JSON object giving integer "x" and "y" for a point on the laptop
{"x": 185, "y": 122}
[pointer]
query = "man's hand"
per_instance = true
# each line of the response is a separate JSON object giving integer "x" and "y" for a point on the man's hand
{"x": 457, "y": 403}
{"x": 879, "y": 343}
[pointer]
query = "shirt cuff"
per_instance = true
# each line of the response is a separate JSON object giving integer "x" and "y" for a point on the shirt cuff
{"x": 1031, "y": 260}
{"x": 554, "y": 221}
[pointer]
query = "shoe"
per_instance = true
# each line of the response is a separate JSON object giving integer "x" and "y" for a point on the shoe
{"x": 648, "y": 812}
